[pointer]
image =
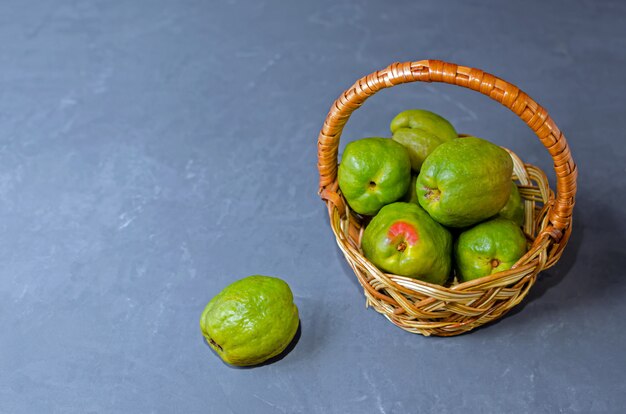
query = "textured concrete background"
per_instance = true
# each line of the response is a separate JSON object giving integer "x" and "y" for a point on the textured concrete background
{"x": 151, "y": 152}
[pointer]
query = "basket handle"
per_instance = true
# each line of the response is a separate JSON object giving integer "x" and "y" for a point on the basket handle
{"x": 507, "y": 94}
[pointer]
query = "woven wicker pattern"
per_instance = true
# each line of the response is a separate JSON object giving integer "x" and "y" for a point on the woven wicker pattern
{"x": 446, "y": 311}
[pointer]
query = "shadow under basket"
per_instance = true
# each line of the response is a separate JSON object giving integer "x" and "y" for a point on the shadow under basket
{"x": 429, "y": 309}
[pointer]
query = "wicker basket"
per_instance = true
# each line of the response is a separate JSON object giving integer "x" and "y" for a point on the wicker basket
{"x": 429, "y": 309}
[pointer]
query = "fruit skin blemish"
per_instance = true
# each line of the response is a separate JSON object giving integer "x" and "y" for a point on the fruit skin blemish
{"x": 403, "y": 230}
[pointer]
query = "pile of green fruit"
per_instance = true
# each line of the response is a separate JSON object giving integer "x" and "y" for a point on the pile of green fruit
{"x": 423, "y": 185}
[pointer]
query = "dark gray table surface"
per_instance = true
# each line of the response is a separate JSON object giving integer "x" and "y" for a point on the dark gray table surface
{"x": 152, "y": 152}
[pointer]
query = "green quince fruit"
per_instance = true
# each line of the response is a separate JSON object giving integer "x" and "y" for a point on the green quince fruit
{"x": 421, "y": 131}
{"x": 373, "y": 172}
{"x": 489, "y": 247}
{"x": 514, "y": 207}
{"x": 251, "y": 320}
{"x": 403, "y": 239}
{"x": 465, "y": 181}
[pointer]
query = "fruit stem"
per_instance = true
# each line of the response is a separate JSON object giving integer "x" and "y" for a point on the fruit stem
{"x": 401, "y": 247}
{"x": 495, "y": 263}
{"x": 432, "y": 193}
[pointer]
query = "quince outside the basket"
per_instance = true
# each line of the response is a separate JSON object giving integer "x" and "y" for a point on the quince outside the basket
{"x": 421, "y": 131}
{"x": 465, "y": 181}
{"x": 373, "y": 172}
{"x": 403, "y": 239}
{"x": 489, "y": 247}
{"x": 251, "y": 320}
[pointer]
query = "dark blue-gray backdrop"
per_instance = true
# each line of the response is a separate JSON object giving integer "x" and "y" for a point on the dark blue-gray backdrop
{"x": 151, "y": 152}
